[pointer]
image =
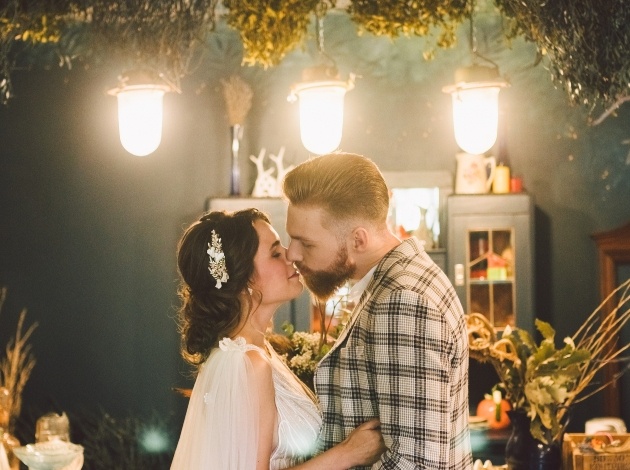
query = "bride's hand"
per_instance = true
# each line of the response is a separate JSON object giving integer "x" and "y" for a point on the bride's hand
{"x": 365, "y": 444}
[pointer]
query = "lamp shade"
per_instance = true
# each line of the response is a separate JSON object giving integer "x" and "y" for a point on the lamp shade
{"x": 140, "y": 113}
{"x": 475, "y": 98}
{"x": 321, "y": 110}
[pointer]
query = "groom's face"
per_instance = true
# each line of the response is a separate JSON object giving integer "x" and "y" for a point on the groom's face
{"x": 318, "y": 252}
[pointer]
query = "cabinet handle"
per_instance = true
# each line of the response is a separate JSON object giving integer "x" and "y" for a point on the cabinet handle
{"x": 459, "y": 274}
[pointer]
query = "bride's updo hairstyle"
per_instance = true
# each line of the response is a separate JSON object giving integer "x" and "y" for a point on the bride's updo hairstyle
{"x": 207, "y": 314}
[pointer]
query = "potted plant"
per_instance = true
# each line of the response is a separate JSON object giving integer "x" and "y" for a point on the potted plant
{"x": 542, "y": 380}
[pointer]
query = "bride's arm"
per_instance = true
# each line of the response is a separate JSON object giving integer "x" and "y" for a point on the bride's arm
{"x": 263, "y": 382}
{"x": 363, "y": 446}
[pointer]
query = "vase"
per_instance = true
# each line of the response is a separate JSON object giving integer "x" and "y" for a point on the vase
{"x": 423, "y": 232}
{"x": 545, "y": 456}
{"x": 236, "y": 132}
{"x": 519, "y": 445}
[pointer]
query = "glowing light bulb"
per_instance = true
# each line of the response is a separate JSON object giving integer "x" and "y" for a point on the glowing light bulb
{"x": 321, "y": 96}
{"x": 321, "y": 118}
{"x": 476, "y": 118}
{"x": 140, "y": 111}
{"x": 476, "y": 107}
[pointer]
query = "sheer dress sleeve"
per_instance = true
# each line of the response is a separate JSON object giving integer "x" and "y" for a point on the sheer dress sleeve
{"x": 220, "y": 429}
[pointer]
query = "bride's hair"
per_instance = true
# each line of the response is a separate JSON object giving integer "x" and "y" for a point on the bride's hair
{"x": 207, "y": 314}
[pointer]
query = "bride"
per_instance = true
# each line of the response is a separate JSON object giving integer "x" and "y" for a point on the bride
{"x": 247, "y": 410}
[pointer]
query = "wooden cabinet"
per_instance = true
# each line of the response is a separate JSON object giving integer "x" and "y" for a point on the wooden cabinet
{"x": 491, "y": 255}
{"x": 613, "y": 249}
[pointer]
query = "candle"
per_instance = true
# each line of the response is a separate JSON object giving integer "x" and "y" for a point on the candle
{"x": 501, "y": 182}
{"x": 516, "y": 184}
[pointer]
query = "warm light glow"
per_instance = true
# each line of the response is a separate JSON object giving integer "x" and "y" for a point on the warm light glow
{"x": 321, "y": 117}
{"x": 140, "y": 110}
{"x": 476, "y": 118}
{"x": 476, "y": 107}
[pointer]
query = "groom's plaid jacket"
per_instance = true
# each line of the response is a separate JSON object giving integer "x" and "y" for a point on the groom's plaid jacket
{"x": 403, "y": 358}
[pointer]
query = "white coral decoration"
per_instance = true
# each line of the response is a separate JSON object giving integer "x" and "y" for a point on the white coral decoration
{"x": 216, "y": 265}
{"x": 266, "y": 185}
{"x": 282, "y": 171}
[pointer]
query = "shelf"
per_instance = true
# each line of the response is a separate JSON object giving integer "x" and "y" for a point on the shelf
{"x": 491, "y": 281}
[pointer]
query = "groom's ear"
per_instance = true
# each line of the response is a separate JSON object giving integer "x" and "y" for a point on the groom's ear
{"x": 359, "y": 239}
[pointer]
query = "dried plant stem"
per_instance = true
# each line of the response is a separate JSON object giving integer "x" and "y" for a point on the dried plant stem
{"x": 596, "y": 335}
{"x": 17, "y": 365}
{"x": 238, "y": 99}
{"x": 520, "y": 363}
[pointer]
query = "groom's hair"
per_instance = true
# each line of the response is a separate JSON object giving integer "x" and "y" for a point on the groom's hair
{"x": 345, "y": 185}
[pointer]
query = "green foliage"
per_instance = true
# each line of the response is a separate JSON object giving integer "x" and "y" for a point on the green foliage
{"x": 587, "y": 43}
{"x": 408, "y": 18}
{"x": 544, "y": 379}
{"x": 270, "y": 30}
{"x": 111, "y": 442}
{"x": 160, "y": 35}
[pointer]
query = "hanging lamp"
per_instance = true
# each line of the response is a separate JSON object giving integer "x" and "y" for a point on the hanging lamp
{"x": 475, "y": 97}
{"x": 321, "y": 96}
{"x": 140, "y": 111}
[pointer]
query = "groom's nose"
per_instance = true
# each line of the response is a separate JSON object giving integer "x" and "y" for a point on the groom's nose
{"x": 293, "y": 252}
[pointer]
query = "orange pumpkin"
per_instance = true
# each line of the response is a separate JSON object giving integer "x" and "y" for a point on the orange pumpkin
{"x": 495, "y": 414}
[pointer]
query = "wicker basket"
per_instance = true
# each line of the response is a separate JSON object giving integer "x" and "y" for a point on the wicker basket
{"x": 617, "y": 458}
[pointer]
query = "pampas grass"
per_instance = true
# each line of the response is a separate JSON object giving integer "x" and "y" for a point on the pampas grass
{"x": 16, "y": 366}
{"x": 238, "y": 99}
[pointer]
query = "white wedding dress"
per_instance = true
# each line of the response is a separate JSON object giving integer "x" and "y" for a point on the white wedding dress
{"x": 220, "y": 430}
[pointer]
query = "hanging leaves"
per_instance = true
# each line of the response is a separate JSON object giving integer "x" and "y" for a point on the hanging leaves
{"x": 270, "y": 30}
{"x": 162, "y": 35}
{"x": 408, "y": 18}
{"x": 587, "y": 43}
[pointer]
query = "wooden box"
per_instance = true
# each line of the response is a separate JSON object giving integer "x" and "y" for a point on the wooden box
{"x": 574, "y": 459}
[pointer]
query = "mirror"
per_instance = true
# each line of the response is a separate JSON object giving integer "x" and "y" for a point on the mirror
{"x": 418, "y": 207}
{"x": 418, "y": 196}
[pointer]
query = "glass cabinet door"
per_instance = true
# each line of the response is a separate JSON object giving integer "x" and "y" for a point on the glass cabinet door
{"x": 490, "y": 270}
{"x": 490, "y": 256}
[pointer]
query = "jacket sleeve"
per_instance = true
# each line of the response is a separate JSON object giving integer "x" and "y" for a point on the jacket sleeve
{"x": 410, "y": 350}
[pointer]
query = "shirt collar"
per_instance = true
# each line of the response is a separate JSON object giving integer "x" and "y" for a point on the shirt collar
{"x": 354, "y": 294}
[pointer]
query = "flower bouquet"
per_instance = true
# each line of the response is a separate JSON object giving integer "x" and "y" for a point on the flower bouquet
{"x": 301, "y": 350}
{"x": 542, "y": 379}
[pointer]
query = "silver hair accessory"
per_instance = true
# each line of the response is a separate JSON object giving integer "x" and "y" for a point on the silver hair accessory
{"x": 216, "y": 266}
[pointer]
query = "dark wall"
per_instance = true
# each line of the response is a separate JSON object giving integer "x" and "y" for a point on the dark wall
{"x": 88, "y": 232}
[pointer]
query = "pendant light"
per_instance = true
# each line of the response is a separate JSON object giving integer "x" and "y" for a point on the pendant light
{"x": 321, "y": 98}
{"x": 140, "y": 110}
{"x": 475, "y": 95}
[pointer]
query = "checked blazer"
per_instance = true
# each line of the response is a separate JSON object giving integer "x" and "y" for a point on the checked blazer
{"x": 403, "y": 357}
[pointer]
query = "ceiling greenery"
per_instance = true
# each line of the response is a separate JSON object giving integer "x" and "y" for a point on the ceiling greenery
{"x": 584, "y": 43}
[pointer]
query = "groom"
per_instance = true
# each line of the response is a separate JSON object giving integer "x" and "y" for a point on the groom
{"x": 403, "y": 356}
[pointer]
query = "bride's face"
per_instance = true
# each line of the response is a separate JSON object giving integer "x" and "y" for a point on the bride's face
{"x": 274, "y": 276}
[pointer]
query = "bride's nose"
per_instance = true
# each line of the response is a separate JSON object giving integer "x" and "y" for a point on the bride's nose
{"x": 285, "y": 252}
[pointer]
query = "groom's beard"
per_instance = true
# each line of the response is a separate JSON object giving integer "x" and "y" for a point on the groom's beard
{"x": 324, "y": 283}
